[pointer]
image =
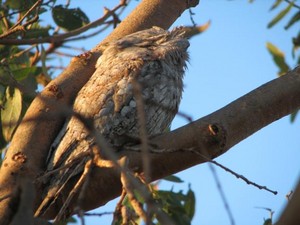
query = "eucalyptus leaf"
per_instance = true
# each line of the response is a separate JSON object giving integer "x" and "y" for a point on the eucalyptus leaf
{"x": 11, "y": 112}
{"x": 22, "y": 73}
{"x": 190, "y": 204}
{"x": 280, "y": 15}
{"x": 293, "y": 116}
{"x": 173, "y": 178}
{"x": 276, "y": 4}
{"x": 268, "y": 222}
{"x": 278, "y": 57}
{"x": 19, "y": 5}
{"x": 293, "y": 20}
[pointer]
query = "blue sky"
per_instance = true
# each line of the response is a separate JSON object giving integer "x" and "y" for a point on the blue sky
{"x": 227, "y": 61}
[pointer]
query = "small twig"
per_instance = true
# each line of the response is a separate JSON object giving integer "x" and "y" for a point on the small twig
{"x": 62, "y": 37}
{"x": 119, "y": 206}
{"x": 289, "y": 195}
{"x": 82, "y": 37}
{"x": 27, "y": 13}
{"x": 221, "y": 166}
{"x": 185, "y": 116}
{"x": 81, "y": 49}
{"x": 81, "y": 215}
{"x": 99, "y": 214}
{"x": 294, "y": 4}
{"x": 140, "y": 106}
{"x": 137, "y": 184}
{"x": 64, "y": 54}
{"x": 129, "y": 188}
{"x": 192, "y": 18}
{"x": 18, "y": 26}
{"x": 22, "y": 10}
{"x": 243, "y": 177}
{"x": 159, "y": 151}
{"x": 221, "y": 191}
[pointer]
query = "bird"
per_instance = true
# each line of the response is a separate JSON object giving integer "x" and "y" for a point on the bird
{"x": 156, "y": 60}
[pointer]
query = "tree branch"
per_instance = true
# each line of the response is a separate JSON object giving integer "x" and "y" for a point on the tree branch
{"x": 31, "y": 142}
{"x": 210, "y": 136}
{"x": 59, "y": 37}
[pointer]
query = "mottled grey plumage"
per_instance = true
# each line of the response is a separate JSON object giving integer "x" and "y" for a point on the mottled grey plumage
{"x": 156, "y": 59}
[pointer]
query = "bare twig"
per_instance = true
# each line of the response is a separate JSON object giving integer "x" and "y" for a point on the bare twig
{"x": 222, "y": 194}
{"x": 82, "y": 37}
{"x": 239, "y": 176}
{"x": 127, "y": 184}
{"x": 18, "y": 26}
{"x": 137, "y": 90}
{"x": 117, "y": 213}
{"x": 38, "y": 2}
{"x": 62, "y": 37}
{"x": 243, "y": 177}
{"x": 98, "y": 214}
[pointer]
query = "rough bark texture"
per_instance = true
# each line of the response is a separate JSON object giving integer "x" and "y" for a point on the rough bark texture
{"x": 209, "y": 136}
{"x": 31, "y": 142}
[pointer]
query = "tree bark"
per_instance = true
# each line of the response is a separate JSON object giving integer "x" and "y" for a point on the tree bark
{"x": 195, "y": 143}
{"x": 31, "y": 142}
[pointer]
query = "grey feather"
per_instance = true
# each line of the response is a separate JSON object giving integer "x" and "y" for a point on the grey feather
{"x": 156, "y": 59}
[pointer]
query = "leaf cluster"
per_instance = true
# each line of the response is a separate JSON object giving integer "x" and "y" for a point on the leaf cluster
{"x": 292, "y": 10}
{"x": 24, "y": 69}
{"x": 294, "y": 20}
{"x": 177, "y": 205}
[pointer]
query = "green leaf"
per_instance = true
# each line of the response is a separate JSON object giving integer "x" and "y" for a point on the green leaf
{"x": 11, "y": 112}
{"x": 37, "y": 33}
{"x": 179, "y": 206}
{"x": 20, "y": 5}
{"x": 293, "y": 116}
{"x": 173, "y": 178}
{"x": 296, "y": 41}
{"x": 43, "y": 60}
{"x": 3, "y": 143}
{"x": 268, "y": 222}
{"x": 190, "y": 204}
{"x": 2, "y": 95}
{"x": 293, "y": 20}
{"x": 69, "y": 19}
{"x": 276, "y": 4}
{"x": 22, "y": 73}
{"x": 278, "y": 57}
{"x": 280, "y": 15}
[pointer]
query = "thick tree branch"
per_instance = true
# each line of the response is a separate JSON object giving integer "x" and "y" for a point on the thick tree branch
{"x": 32, "y": 140}
{"x": 211, "y": 136}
